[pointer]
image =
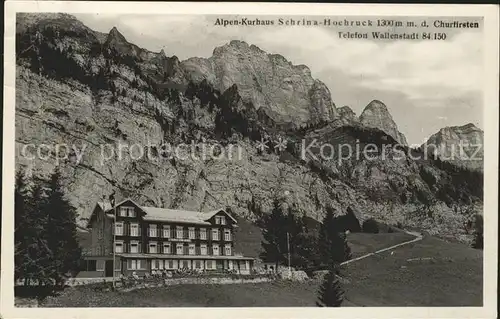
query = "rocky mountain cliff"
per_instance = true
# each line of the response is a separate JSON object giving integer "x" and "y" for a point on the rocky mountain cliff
{"x": 376, "y": 115}
{"x": 95, "y": 92}
{"x": 285, "y": 92}
{"x": 461, "y": 145}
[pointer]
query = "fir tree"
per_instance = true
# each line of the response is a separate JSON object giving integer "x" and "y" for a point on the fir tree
{"x": 332, "y": 242}
{"x": 478, "y": 242}
{"x": 61, "y": 231}
{"x": 39, "y": 256}
{"x": 20, "y": 223}
{"x": 331, "y": 293}
{"x": 31, "y": 252}
{"x": 274, "y": 234}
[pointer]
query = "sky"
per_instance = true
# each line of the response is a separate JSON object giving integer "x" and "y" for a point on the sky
{"x": 425, "y": 84}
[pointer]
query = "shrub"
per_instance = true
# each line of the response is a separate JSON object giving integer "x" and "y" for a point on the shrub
{"x": 370, "y": 226}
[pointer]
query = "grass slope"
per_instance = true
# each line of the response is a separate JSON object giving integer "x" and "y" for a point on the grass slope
{"x": 453, "y": 276}
{"x": 363, "y": 243}
{"x": 275, "y": 294}
{"x": 448, "y": 274}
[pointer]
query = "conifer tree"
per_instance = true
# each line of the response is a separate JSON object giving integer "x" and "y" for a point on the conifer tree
{"x": 31, "y": 255}
{"x": 274, "y": 233}
{"x": 330, "y": 293}
{"x": 332, "y": 242}
{"x": 20, "y": 222}
{"x": 478, "y": 242}
{"x": 61, "y": 231}
{"x": 39, "y": 256}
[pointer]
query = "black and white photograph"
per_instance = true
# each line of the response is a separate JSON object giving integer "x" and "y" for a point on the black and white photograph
{"x": 236, "y": 159}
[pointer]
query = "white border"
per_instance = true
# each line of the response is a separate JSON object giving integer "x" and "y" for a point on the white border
{"x": 491, "y": 67}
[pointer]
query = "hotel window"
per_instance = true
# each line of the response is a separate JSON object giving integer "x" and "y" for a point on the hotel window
{"x": 179, "y": 232}
{"x": 169, "y": 264}
{"x": 210, "y": 264}
{"x": 227, "y": 234}
{"x": 191, "y": 233}
{"x": 227, "y": 250}
{"x": 166, "y": 248}
{"x": 127, "y": 211}
{"x": 203, "y": 233}
{"x": 134, "y": 264}
{"x": 131, "y": 212}
{"x": 119, "y": 247}
{"x": 203, "y": 249}
{"x": 179, "y": 248}
{"x": 134, "y": 229}
{"x": 152, "y": 230}
{"x": 197, "y": 264}
{"x": 119, "y": 229}
{"x": 217, "y": 220}
{"x": 153, "y": 248}
{"x": 123, "y": 211}
{"x": 134, "y": 246}
{"x": 185, "y": 264}
{"x": 157, "y": 264}
{"x": 243, "y": 265}
{"x": 100, "y": 265}
{"x": 191, "y": 249}
{"x": 215, "y": 250}
{"x": 166, "y": 231}
{"x": 222, "y": 220}
{"x": 215, "y": 234}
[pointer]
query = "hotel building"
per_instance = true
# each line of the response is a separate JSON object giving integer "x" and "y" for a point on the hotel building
{"x": 151, "y": 238}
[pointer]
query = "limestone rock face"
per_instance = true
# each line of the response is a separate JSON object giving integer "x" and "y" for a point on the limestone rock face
{"x": 109, "y": 111}
{"x": 347, "y": 113}
{"x": 376, "y": 115}
{"x": 462, "y": 145}
{"x": 287, "y": 93}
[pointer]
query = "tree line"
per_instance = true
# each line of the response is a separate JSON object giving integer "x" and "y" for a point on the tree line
{"x": 46, "y": 251}
{"x": 291, "y": 238}
{"x": 288, "y": 232}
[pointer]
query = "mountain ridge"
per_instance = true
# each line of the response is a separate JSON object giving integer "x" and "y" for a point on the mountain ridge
{"x": 90, "y": 95}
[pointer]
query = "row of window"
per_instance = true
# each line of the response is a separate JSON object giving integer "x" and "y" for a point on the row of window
{"x": 138, "y": 264}
{"x": 174, "y": 264}
{"x": 141, "y": 264}
{"x": 180, "y": 233}
{"x": 180, "y": 248}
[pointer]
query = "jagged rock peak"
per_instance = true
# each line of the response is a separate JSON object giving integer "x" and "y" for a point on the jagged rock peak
{"x": 287, "y": 93}
{"x": 114, "y": 34}
{"x": 346, "y": 112}
{"x": 462, "y": 145}
{"x": 376, "y": 115}
{"x": 162, "y": 53}
{"x": 237, "y": 45}
{"x": 376, "y": 105}
{"x": 469, "y": 127}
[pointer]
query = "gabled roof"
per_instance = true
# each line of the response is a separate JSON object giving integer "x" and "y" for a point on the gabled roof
{"x": 104, "y": 205}
{"x": 166, "y": 214}
{"x": 176, "y": 215}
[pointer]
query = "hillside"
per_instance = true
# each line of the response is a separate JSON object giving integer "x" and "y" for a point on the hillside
{"x": 94, "y": 92}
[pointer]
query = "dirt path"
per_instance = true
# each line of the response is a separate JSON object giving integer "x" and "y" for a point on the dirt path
{"x": 418, "y": 237}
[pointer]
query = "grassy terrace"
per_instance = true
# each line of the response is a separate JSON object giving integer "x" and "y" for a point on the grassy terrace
{"x": 363, "y": 243}
{"x": 447, "y": 274}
